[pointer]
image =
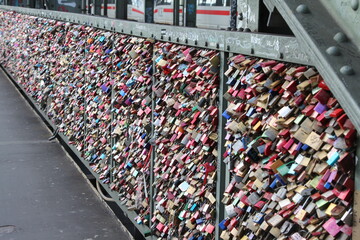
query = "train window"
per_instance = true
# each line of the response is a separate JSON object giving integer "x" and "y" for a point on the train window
{"x": 135, "y": 3}
{"x": 111, "y": 1}
{"x": 217, "y": 3}
{"x": 163, "y": 2}
{"x": 204, "y": 2}
{"x": 213, "y": 2}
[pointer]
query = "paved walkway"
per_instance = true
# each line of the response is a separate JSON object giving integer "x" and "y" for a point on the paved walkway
{"x": 42, "y": 194}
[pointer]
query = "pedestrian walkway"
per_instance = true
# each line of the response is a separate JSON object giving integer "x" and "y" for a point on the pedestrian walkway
{"x": 42, "y": 194}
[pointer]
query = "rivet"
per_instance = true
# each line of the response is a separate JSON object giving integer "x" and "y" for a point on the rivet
{"x": 355, "y": 4}
{"x": 340, "y": 37}
{"x": 347, "y": 70}
{"x": 302, "y": 8}
{"x": 333, "y": 50}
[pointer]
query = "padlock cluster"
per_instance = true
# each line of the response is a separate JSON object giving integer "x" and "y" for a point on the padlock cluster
{"x": 72, "y": 72}
{"x": 131, "y": 124}
{"x": 144, "y": 115}
{"x": 98, "y": 89}
{"x": 290, "y": 148}
{"x": 186, "y": 128}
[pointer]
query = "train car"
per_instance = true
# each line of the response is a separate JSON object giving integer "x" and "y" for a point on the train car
{"x": 213, "y": 14}
{"x": 136, "y": 10}
{"x": 164, "y": 12}
{"x": 111, "y": 7}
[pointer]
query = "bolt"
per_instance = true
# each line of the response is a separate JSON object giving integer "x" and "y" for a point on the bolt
{"x": 333, "y": 50}
{"x": 302, "y": 8}
{"x": 354, "y": 4}
{"x": 340, "y": 37}
{"x": 347, "y": 70}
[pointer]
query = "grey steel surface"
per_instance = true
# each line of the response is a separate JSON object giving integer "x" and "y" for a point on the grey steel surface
{"x": 42, "y": 194}
{"x": 347, "y": 14}
{"x": 315, "y": 31}
{"x": 222, "y": 171}
{"x": 254, "y": 44}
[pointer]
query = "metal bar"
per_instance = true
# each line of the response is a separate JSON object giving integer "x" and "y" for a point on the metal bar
{"x": 32, "y": 3}
{"x": 83, "y": 6}
{"x": 105, "y": 8}
{"x": 355, "y": 229}
{"x": 112, "y": 140}
{"x": 97, "y": 7}
{"x": 121, "y": 9}
{"x": 255, "y": 44}
{"x": 233, "y": 14}
{"x": 153, "y": 153}
{"x": 89, "y": 4}
{"x": 149, "y": 11}
{"x": 176, "y": 12}
{"x": 221, "y": 166}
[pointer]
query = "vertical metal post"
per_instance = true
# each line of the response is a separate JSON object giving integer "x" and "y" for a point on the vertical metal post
{"x": 97, "y": 7}
{"x": 89, "y": 6}
{"x": 112, "y": 114}
{"x": 83, "y": 6}
{"x": 190, "y": 14}
{"x": 221, "y": 167}
{"x": 149, "y": 11}
{"x": 85, "y": 106}
{"x": 356, "y": 209}
{"x": 176, "y": 12}
{"x": 105, "y": 8}
{"x": 233, "y": 14}
{"x": 121, "y": 9}
{"x": 31, "y": 3}
{"x": 153, "y": 153}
